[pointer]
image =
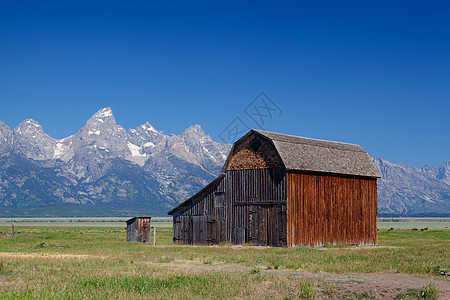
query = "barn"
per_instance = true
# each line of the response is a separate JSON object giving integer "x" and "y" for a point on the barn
{"x": 283, "y": 190}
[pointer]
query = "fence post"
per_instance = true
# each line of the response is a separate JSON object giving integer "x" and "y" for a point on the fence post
{"x": 154, "y": 235}
{"x": 12, "y": 227}
{"x": 149, "y": 232}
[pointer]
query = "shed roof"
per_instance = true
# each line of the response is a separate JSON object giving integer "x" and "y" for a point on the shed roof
{"x": 306, "y": 154}
{"x": 134, "y": 218}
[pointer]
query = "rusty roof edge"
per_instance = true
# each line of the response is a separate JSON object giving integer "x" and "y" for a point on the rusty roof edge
{"x": 221, "y": 176}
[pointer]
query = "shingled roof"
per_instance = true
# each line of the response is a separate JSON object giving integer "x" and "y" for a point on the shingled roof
{"x": 305, "y": 154}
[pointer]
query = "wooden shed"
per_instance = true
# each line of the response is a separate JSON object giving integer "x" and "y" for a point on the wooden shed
{"x": 138, "y": 229}
{"x": 282, "y": 190}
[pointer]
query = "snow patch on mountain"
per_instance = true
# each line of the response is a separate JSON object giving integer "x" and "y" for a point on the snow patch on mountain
{"x": 59, "y": 150}
{"x": 137, "y": 155}
{"x": 135, "y": 150}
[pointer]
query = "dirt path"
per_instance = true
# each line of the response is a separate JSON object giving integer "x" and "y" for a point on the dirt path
{"x": 385, "y": 285}
{"x": 379, "y": 285}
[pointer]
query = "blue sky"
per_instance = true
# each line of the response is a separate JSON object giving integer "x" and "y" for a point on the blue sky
{"x": 376, "y": 74}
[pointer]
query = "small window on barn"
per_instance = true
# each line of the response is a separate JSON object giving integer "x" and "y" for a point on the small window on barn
{"x": 255, "y": 144}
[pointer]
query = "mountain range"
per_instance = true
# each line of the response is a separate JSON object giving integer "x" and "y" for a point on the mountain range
{"x": 405, "y": 190}
{"x": 103, "y": 165}
{"x": 104, "y": 169}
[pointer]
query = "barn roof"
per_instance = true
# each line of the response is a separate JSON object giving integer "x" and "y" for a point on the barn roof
{"x": 221, "y": 176}
{"x": 305, "y": 154}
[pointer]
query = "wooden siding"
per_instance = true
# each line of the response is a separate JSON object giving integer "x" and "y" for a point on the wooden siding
{"x": 202, "y": 220}
{"x": 257, "y": 206}
{"x": 138, "y": 229}
{"x": 246, "y": 206}
{"x": 131, "y": 232}
{"x": 325, "y": 209}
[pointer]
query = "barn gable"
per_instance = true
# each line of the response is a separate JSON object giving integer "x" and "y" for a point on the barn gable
{"x": 253, "y": 151}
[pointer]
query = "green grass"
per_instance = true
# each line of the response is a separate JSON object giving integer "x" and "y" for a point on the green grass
{"x": 96, "y": 262}
{"x": 307, "y": 290}
{"x": 408, "y": 252}
{"x": 427, "y": 292}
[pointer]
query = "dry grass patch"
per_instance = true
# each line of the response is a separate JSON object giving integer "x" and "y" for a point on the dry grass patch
{"x": 44, "y": 256}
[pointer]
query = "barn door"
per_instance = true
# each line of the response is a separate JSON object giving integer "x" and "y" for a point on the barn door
{"x": 199, "y": 230}
{"x": 277, "y": 217}
{"x": 267, "y": 225}
{"x": 257, "y": 225}
{"x": 211, "y": 230}
{"x": 282, "y": 221}
{"x": 177, "y": 230}
{"x": 221, "y": 225}
{"x": 220, "y": 218}
{"x": 186, "y": 229}
{"x": 253, "y": 225}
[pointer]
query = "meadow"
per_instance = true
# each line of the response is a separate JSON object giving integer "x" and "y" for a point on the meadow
{"x": 91, "y": 261}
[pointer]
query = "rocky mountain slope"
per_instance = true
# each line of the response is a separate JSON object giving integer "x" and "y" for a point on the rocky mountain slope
{"x": 103, "y": 165}
{"x": 411, "y": 191}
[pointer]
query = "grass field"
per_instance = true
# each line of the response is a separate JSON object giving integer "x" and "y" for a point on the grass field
{"x": 410, "y": 223}
{"x": 95, "y": 262}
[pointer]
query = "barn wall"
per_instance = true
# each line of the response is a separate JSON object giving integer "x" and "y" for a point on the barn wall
{"x": 256, "y": 206}
{"x": 331, "y": 210}
{"x": 246, "y": 206}
{"x": 201, "y": 221}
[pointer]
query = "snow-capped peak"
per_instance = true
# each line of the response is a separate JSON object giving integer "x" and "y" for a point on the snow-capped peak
{"x": 103, "y": 113}
{"x": 32, "y": 122}
{"x": 195, "y": 130}
{"x": 29, "y": 126}
{"x": 147, "y": 126}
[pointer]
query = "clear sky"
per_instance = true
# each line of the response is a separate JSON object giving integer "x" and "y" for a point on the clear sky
{"x": 372, "y": 73}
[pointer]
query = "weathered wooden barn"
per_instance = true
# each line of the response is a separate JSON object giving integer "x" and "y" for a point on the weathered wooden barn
{"x": 282, "y": 190}
{"x": 138, "y": 229}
